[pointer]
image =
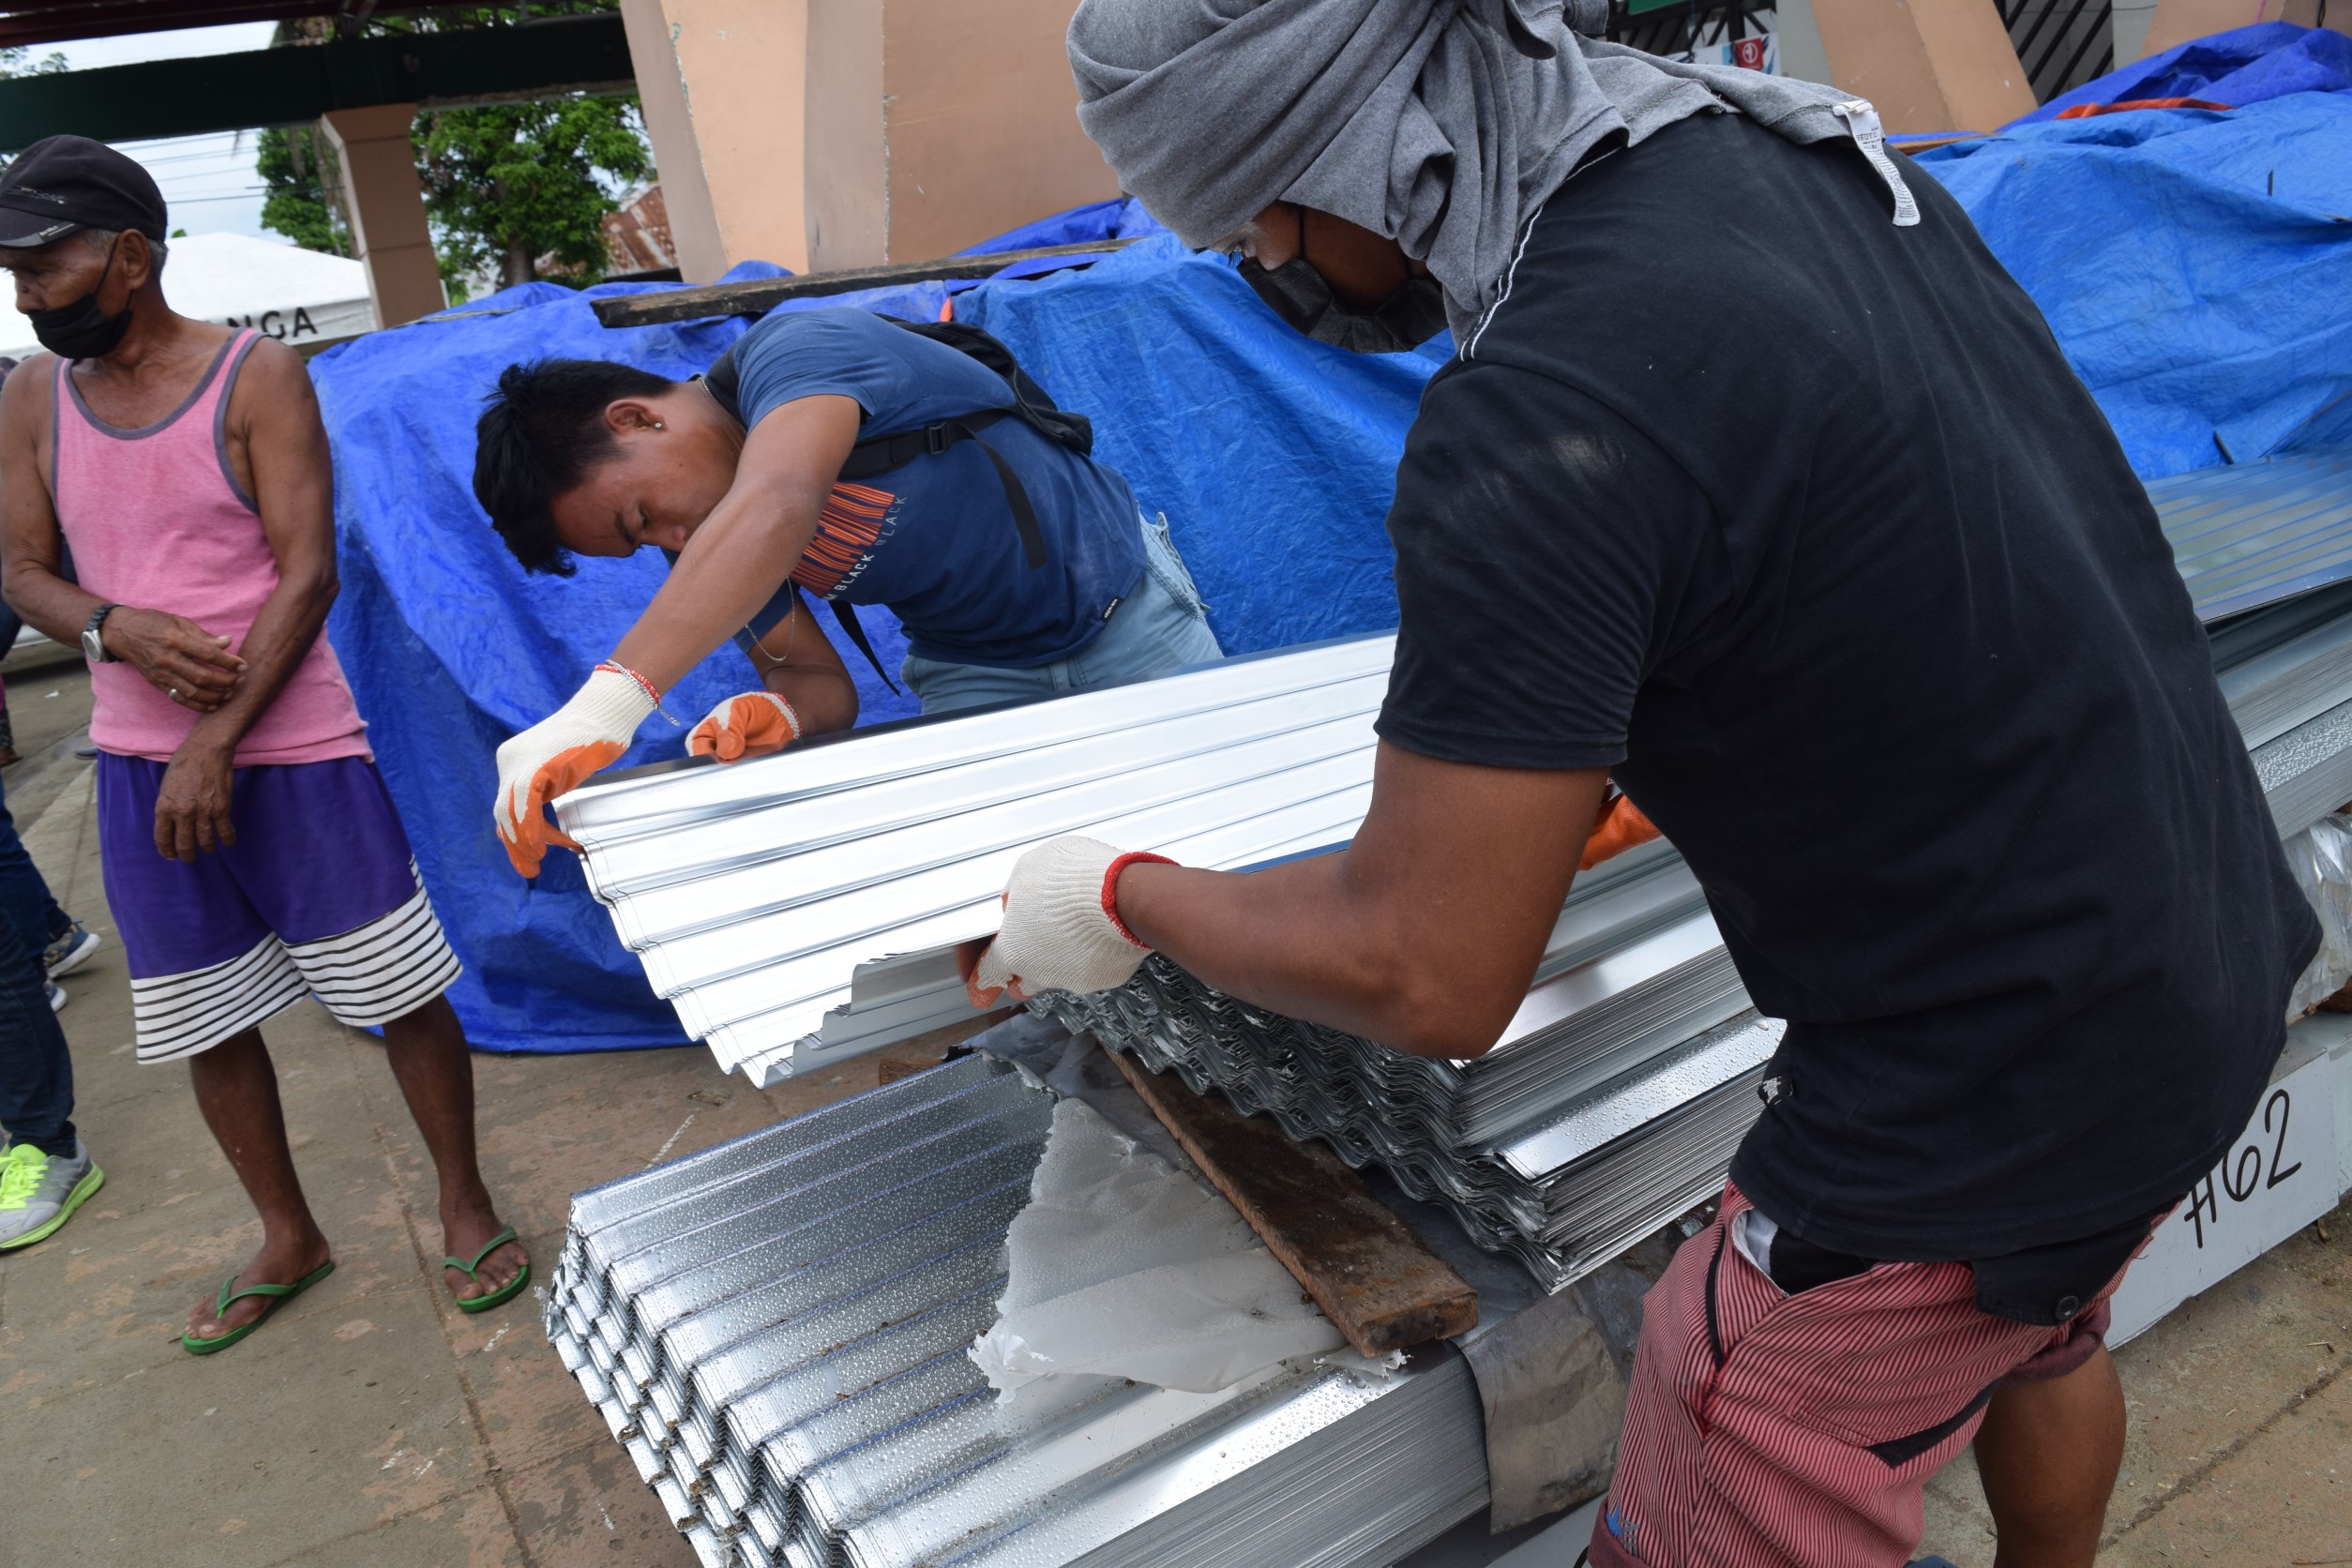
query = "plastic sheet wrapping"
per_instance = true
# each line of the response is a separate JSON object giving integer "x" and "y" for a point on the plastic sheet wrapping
{"x": 2321, "y": 858}
{"x": 1124, "y": 1266}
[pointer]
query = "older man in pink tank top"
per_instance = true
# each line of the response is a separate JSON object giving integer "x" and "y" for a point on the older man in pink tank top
{"x": 251, "y": 855}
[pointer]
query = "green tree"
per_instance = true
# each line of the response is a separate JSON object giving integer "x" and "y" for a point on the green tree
{"x": 20, "y": 62}
{"x": 507, "y": 184}
{"x": 298, "y": 168}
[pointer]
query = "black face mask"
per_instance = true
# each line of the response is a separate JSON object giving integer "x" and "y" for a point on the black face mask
{"x": 81, "y": 330}
{"x": 1298, "y": 294}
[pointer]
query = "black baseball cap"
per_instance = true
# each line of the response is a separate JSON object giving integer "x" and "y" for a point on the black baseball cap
{"x": 62, "y": 183}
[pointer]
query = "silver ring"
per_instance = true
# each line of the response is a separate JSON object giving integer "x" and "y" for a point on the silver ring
{"x": 175, "y": 693}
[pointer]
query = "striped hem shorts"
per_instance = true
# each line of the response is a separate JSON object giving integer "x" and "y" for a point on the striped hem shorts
{"x": 367, "y": 976}
{"x": 1771, "y": 1431}
{"x": 319, "y": 895}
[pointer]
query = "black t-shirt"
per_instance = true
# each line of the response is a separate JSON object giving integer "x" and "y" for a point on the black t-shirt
{"x": 1800, "y": 522}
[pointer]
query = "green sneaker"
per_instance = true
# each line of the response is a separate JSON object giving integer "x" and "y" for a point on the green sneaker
{"x": 40, "y": 1192}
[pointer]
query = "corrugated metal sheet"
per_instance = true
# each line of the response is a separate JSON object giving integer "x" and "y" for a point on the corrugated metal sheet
{"x": 754, "y": 894}
{"x": 775, "y": 1330}
{"x": 1614, "y": 1149}
{"x": 2252, "y": 533}
{"x": 2283, "y": 666}
{"x": 801, "y": 909}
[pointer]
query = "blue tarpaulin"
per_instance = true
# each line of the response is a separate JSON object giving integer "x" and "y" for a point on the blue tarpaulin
{"x": 2245, "y": 65}
{"x": 2193, "y": 264}
{"x": 1272, "y": 456}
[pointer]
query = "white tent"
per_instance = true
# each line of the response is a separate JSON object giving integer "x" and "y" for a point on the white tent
{"x": 302, "y": 297}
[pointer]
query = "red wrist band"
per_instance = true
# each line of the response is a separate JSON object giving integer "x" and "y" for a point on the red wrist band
{"x": 642, "y": 683}
{"x": 1110, "y": 890}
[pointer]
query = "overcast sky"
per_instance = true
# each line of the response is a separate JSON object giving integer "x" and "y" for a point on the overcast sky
{"x": 210, "y": 181}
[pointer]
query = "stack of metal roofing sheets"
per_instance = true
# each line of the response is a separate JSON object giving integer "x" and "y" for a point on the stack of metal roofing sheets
{"x": 2255, "y": 534}
{"x": 1634, "y": 966}
{"x": 801, "y": 909}
{"x": 2266, "y": 548}
{"x": 768, "y": 899}
{"x": 777, "y": 1328}
{"x": 2287, "y": 669}
{"x": 1605, "y": 1159}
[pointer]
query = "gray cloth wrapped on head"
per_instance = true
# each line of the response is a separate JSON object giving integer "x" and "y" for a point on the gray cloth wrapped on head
{"x": 1441, "y": 124}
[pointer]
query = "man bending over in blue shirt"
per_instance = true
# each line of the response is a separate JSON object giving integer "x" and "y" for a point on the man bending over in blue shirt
{"x": 842, "y": 452}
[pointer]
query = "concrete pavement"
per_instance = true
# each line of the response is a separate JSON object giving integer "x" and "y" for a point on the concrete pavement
{"x": 369, "y": 1422}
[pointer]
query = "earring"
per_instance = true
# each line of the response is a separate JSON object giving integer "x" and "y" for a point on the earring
{"x": 659, "y": 426}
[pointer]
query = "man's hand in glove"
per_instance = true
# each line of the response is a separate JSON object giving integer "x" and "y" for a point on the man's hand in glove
{"x": 1061, "y": 930}
{"x": 1621, "y": 827}
{"x": 751, "y": 725}
{"x": 553, "y": 755}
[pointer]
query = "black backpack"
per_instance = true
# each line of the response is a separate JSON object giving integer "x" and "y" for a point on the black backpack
{"x": 877, "y": 455}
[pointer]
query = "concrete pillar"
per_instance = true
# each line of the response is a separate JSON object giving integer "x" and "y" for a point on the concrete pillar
{"x": 848, "y": 155}
{"x": 724, "y": 85}
{"x": 2175, "y": 21}
{"x": 1928, "y": 65}
{"x": 821, "y": 134}
{"x": 2130, "y": 20}
{"x": 2146, "y": 27}
{"x": 977, "y": 123}
{"x": 386, "y": 205}
{"x": 2318, "y": 13}
{"x": 1801, "y": 51}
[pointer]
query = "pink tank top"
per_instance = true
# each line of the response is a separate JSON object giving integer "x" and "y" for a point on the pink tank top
{"x": 156, "y": 520}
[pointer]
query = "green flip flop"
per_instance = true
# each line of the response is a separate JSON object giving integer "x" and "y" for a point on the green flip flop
{"x": 278, "y": 1294}
{"x": 504, "y": 1293}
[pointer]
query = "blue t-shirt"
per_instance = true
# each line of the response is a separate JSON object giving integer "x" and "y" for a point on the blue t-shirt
{"x": 934, "y": 539}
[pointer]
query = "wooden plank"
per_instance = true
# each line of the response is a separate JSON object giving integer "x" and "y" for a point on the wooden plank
{"x": 1367, "y": 1271}
{"x": 760, "y": 295}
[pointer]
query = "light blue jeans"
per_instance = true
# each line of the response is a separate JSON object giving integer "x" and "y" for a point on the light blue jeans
{"x": 1161, "y": 627}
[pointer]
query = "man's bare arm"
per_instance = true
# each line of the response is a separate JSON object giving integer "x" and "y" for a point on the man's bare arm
{"x": 274, "y": 420}
{"x": 292, "y": 483}
{"x": 173, "y": 652}
{"x": 751, "y": 540}
{"x": 1423, "y": 935}
{"x": 800, "y": 664}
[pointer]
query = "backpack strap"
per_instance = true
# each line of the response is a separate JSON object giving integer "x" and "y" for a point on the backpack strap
{"x": 846, "y": 614}
{"x": 879, "y": 454}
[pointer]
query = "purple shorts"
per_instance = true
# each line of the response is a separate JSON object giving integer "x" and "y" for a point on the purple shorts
{"x": 319, "y": 895}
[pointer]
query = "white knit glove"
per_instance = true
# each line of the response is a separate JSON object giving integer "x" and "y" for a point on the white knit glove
{"x": 551, "y": 756}
{"x": 1061, "y": 929}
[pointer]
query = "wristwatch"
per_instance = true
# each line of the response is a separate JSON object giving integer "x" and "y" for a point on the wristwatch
{"x": 91, "y": 644}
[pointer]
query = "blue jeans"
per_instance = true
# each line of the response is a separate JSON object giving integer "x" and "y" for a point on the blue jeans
{"x": 24, "y": 899}
{"x": 1161, "y": 627}
{"x": 35, "y": 1071}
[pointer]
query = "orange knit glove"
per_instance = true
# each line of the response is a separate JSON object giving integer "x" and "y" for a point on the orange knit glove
{"x": 1621, "y": 826}
{"x": 751, "y": 725}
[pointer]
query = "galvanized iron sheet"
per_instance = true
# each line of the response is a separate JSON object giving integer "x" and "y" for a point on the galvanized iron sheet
{"x": 775, "y": 1331}
{"x": 2255, "y": 533}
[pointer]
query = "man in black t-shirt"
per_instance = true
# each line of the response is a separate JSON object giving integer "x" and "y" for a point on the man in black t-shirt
{"x": 1758, "y": 485}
